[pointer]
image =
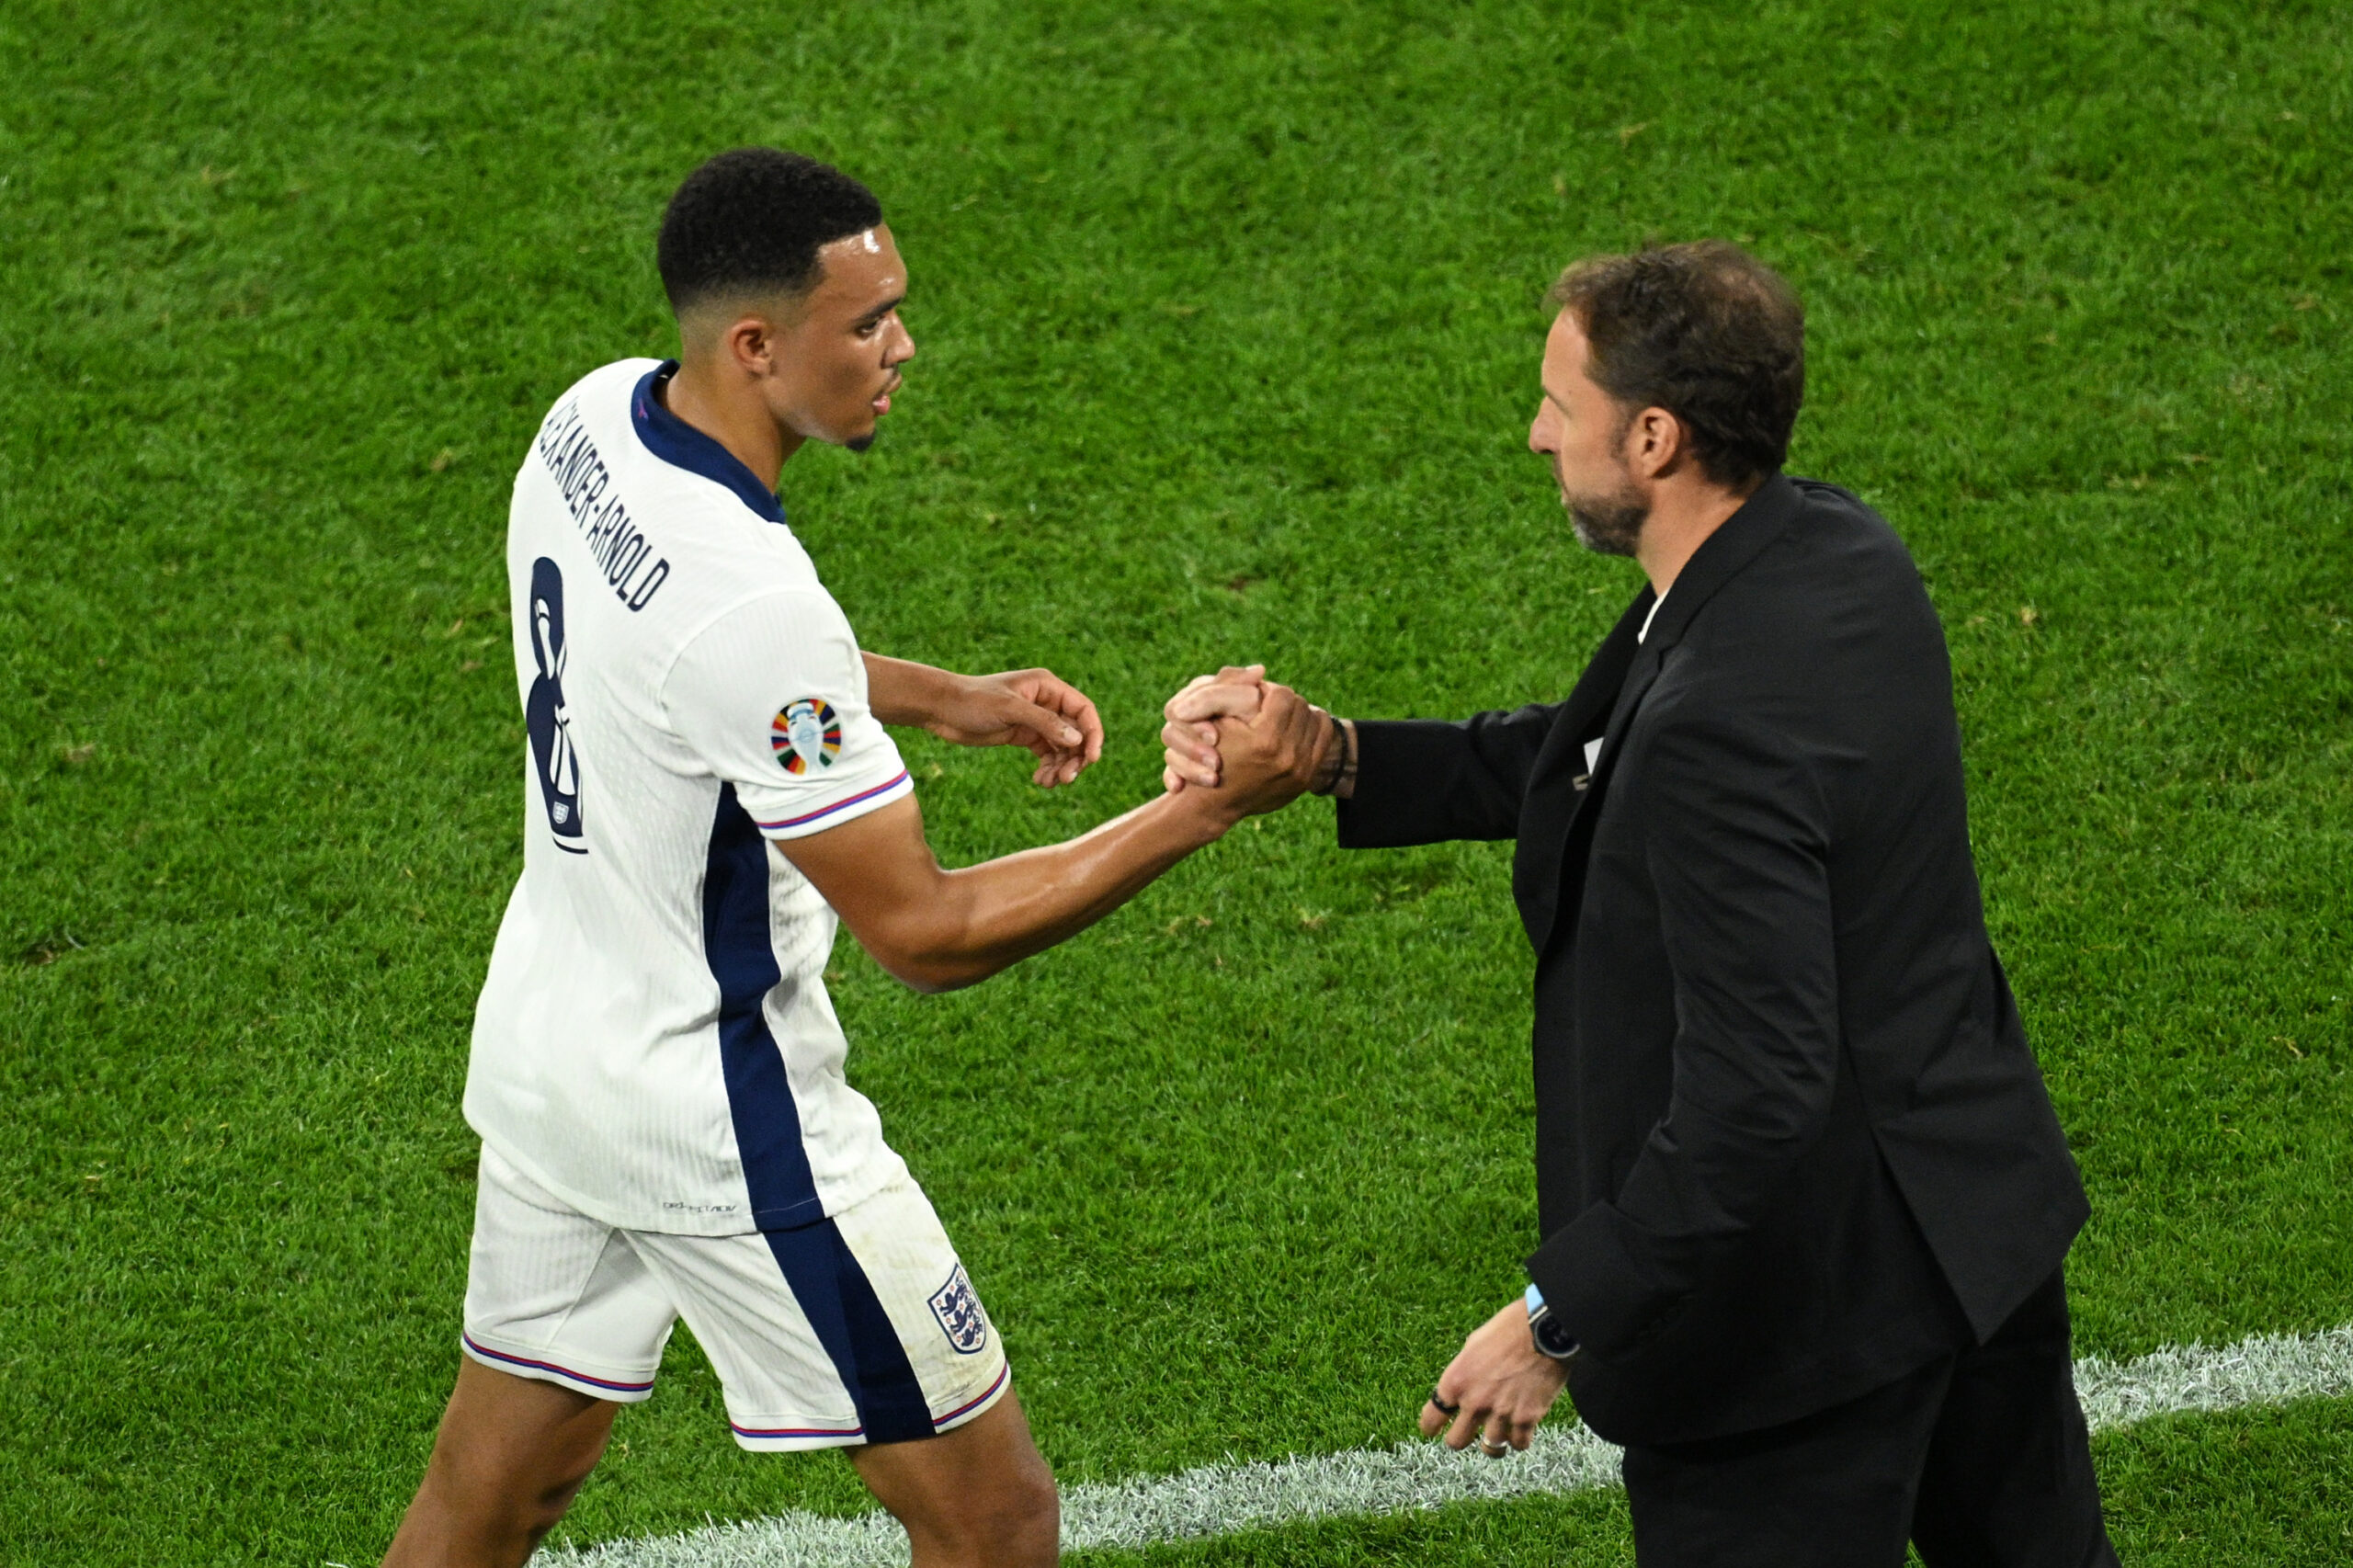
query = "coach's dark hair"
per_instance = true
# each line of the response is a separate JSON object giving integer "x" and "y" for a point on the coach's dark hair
{"x": 1705, "y": 331}
{"x": 751, "y": 220}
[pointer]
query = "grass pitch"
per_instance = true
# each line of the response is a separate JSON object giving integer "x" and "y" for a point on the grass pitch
{"x": 1228, "y": 327}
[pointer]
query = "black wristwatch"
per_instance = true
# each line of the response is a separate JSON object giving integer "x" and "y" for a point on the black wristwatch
{"x": 1552, "y": 1335}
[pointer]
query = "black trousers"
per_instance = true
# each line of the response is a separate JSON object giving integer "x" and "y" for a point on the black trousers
{"x": 1980, "y": 1458}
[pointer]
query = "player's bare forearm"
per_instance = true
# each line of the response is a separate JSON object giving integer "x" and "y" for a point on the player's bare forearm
{"x": 900, "y": 691}
{"x": 1033, "y": 708}
{"x": 1026, "y": 902}
{"x": 939, "y": 929}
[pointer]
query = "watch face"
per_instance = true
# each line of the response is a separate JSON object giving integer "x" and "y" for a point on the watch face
{"x": 1552, "y": 1336}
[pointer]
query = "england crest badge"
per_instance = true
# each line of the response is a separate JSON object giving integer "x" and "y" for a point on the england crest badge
{"x": 959, "y": 1314}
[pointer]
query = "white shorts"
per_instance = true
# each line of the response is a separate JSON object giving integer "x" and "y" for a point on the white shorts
{"x": 861, "y": 1328}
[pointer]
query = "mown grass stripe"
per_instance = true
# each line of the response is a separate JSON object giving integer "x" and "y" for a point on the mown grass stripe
{"x": 1219, "y": 1499}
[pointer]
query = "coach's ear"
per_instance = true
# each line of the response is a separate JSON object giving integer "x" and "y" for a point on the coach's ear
{"x": 1655, "y": 444}
{"x": 1189, "y": 736}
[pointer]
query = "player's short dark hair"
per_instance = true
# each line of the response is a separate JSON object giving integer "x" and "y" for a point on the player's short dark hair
{"x": 750, "y": 221}
{"x": 1705, "y": 331}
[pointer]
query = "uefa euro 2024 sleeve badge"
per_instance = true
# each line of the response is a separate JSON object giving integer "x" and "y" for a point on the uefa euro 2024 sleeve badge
{"x": 806, "y": 736}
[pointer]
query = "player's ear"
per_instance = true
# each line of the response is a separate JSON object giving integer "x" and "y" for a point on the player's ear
{"x": 751, "y": 344}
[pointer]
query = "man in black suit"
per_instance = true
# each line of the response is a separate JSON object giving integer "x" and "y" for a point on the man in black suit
{"x": 1802, "y": 1196}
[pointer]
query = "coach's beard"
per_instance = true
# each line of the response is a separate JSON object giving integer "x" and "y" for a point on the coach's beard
{"x": 1608, "y": 525}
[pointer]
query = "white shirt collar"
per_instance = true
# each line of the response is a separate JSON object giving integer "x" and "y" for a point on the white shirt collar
{"x": 1644, "y": 635}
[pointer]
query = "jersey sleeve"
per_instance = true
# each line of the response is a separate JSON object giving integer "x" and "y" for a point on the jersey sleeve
{"x": 771, "y": 696}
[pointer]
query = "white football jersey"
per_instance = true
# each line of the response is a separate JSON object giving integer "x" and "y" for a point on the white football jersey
{"x": 653, "y": 1043}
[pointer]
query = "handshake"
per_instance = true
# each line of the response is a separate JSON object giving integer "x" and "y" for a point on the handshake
{"x": 1255, "y": 743}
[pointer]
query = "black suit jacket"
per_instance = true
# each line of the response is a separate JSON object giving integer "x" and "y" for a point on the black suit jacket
{"x": 1790, "y": 1139}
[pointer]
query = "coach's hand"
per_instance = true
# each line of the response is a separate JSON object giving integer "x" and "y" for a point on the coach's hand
{"x": 1035, "y": 708}
{"x": 1269, "y": 756}
{"x": 1189, "y": 739}
{"x": 1497, "y": 1389}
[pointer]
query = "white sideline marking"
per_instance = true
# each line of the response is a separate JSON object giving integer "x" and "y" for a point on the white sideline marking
{"x": 1219, "y": 1499}
{"x": 2270, "y": 1368}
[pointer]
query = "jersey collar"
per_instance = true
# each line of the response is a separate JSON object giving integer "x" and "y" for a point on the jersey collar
{"x": 675, "y": 441}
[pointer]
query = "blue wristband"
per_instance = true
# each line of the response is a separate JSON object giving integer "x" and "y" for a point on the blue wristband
{"x": 1535, "y": 1299}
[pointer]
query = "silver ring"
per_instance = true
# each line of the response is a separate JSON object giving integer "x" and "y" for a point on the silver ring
{"x": 1493, "y": 1450}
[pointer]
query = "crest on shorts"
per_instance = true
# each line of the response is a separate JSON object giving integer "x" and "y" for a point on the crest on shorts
{"x": 959, "y": 1311}
{"x": 806, "y": 736}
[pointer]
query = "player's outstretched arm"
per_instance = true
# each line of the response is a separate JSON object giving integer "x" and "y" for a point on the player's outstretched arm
{"x": 1035, "y": 708}
{"x": 938, "y": 930}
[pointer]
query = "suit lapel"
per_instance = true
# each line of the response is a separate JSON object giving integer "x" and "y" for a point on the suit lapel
{"x": 1557, "y": 785}
{"x": 1548, "y": 873}
{"x": 1596, "y": 695}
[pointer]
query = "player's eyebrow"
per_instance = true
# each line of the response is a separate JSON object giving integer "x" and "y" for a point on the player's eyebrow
{"x": 884, "y": 309}
{"x": 1555, "y": 399}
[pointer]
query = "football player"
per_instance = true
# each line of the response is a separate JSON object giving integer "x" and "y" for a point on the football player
{"x": 657, "y": 1073}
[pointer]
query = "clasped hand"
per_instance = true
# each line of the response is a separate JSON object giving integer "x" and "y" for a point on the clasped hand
{"x": 1238, "y": 732}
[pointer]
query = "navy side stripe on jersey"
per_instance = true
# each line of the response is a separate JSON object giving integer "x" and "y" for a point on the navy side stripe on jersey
{"x": 759, "y": 1097}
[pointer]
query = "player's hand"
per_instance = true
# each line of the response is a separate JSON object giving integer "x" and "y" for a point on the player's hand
{"x": 1500, "y": 1384}
{"x": 1270, "y": 759}
{"x": 1189, "y": 736}
{"x": 1035, "y": 708}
